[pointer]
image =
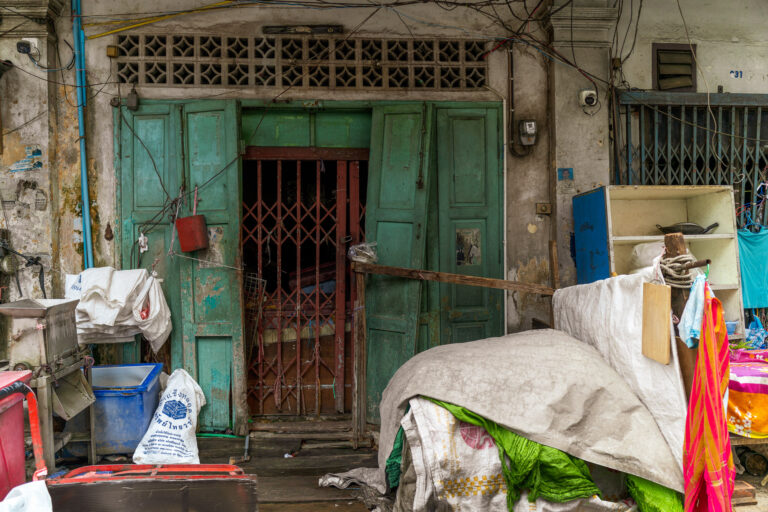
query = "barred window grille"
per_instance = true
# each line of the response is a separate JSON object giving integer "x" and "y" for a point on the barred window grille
{"x": 301, "y": 62}
{"x": 666, "y": 139}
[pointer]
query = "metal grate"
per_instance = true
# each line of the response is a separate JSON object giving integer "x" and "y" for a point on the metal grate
{"x": 299, "y": 217}
{"x": 673, "y": 139}
{"x": 301, "y": 62}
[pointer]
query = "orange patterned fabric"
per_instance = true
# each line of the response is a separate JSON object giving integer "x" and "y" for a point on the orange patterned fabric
{"x": 707, "y": 461}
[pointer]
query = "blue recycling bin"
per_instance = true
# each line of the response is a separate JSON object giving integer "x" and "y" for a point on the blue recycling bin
{"x": 126, "y": 398}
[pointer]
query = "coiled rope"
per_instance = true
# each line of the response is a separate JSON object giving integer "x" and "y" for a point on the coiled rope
{"x": 675, "y": 273}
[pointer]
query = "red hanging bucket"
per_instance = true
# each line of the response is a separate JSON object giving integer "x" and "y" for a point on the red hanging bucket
{"x": 193, "y": 232}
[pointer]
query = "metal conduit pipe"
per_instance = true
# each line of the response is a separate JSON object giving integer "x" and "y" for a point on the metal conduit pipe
{"x": 79, "y": 39}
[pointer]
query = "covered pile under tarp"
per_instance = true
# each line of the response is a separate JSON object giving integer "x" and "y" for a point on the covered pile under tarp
{"x": 543, "y": 385}
{"x": 462, "y": 461}
{"x": 608, "y": 315}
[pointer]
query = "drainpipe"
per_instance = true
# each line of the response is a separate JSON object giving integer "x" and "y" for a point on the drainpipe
{"x": 79, "y": 37}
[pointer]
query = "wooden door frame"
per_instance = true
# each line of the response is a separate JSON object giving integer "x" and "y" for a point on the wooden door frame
{"x": 245, "y": 104}
{"x": 347, "y": 159}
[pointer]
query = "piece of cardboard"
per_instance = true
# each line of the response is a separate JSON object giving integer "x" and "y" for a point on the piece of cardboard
{"x": 657, "y": 308}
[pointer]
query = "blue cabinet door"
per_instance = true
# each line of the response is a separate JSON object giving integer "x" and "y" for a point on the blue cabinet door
{"x": 590, "y": 225}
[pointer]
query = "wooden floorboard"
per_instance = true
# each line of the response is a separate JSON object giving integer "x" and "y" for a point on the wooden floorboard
{"x": 298, "y": 489}
{"x": 352, "y": 506}
{"x": 291, "y": 484}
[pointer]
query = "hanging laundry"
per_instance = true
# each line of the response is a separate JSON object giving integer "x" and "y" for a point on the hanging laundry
{"x": 753, "y": 248}
{"x": 707, "y": 460}
{"x": 693, "y": 314}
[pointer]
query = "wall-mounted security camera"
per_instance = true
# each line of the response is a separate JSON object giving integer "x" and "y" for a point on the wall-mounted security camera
{"x": 588, "y": 98}
{"x": 24, "y": 47}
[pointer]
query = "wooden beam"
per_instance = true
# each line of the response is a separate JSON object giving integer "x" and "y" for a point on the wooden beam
{"x": 359, "y": 364}
{"x": 445, "y": 277}
{"x": 554, "y": 265}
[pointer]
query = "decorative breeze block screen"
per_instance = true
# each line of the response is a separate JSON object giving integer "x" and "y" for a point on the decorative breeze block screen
{"x": 301, "y": 62}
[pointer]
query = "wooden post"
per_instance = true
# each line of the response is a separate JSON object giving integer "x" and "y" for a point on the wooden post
{"x": 675, "y": 245}
{"x": 554, "y": 265}
{"x": 554, "y": 270}
{"x": 359, "y": 364}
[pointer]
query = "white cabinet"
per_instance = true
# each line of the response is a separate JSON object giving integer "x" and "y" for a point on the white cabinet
{"x": 630, "y": 216}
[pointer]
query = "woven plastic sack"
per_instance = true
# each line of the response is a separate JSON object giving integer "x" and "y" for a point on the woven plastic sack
{"x": 170, "y": 438}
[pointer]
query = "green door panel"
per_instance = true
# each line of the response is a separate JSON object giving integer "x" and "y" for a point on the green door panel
{"x": 272, "y": 128}
{"x": 305, "y": 128}
{"x": 396, "y": 217}
{"x": 343, "y": 129}
{"x": 210, "y": 289}
{"x": 140, "y": 196}
{"x": 469, "y": 221}
{"x": 214, "y": 363}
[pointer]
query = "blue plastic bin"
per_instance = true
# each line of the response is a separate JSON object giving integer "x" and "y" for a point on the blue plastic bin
{"x": 126, "y": 398}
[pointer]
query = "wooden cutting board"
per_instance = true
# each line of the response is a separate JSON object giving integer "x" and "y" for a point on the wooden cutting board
{"x": 657, "y": 307}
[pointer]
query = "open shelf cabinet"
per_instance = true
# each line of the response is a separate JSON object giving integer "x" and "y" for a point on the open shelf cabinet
{"x": 610, "y": 221}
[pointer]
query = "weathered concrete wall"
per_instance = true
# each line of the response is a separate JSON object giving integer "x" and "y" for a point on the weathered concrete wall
{"x": 528, "y": 183}
{"x": 27, "y": 124}
{"x": 581, "y": 136}
{"x": 528, "y": 179}
{"x": 730, "y": 37}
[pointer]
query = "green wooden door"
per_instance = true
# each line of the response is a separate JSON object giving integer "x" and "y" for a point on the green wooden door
{"x": 210, "y": 286}
{"x": 141, "y": 196}
{"x": 396, "y": 219}
{"x": 469, "y": 221}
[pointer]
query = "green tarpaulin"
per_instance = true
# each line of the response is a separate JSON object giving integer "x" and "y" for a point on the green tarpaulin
{"x": 652, "y": 497}
{"x": 543, "y": 471}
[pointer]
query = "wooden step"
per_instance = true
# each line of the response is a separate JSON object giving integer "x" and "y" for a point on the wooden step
{"x": 743, "y": 494}
{"x": 301, "y": 426}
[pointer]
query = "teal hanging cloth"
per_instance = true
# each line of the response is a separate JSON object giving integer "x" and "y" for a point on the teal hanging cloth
{"x": 753, "y": 260}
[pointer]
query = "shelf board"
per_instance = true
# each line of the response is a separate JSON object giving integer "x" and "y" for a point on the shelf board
{"x": 716, "y": 287}
{"x": 629, "y": 240}
{"x": 736, "y": 336}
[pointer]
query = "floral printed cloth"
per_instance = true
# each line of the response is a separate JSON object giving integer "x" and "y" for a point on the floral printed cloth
{"x": 748, "y": 395}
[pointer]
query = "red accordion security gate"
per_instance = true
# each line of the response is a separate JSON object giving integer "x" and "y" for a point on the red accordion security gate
{"x": 302, "y": 209}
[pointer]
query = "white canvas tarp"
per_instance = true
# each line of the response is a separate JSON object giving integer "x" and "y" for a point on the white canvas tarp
{"x": 608, "y": 315}
{"x": 543, "y": 385}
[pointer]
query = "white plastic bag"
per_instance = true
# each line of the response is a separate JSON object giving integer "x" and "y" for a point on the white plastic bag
{"x": 170, "y": 438}
{"x": 363, "y": 253}
{"x": 152, "y": 315}
{"x": 29, "y": 497}
{"x": 73, "y": 286}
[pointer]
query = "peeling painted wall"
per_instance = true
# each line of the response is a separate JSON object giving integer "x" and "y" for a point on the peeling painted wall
{"x": 26, "y": 193}
{"x": 730, "y": 38}
{"x": 57, "y": 232}
{"x": 527, "y": 178}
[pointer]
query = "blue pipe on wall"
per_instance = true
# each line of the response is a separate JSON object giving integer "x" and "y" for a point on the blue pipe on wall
{"x": 79, "y": 37}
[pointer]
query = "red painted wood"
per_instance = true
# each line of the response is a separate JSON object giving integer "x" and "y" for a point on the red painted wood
{"x": 287, "y": 153}
{"x": 294, "y": 219}
{"x": 341, "y": 274}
